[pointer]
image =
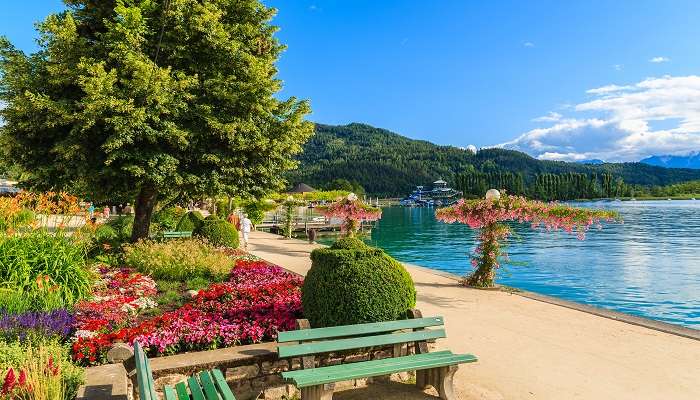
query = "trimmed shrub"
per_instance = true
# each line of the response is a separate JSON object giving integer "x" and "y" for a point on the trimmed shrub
{"x": 178, "y": 260}
{"x": 190, "y": 222}
{"x": 168, "y": 218}
{"x": 211, "y": 217}
{"x": 219, "y": 233}
{"x": 349, "y": 243}
{"x": 352, "y": 283}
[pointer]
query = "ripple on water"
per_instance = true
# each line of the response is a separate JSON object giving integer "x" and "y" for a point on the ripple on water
{"x": 649, "y": 266}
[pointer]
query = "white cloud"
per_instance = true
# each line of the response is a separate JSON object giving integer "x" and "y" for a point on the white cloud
{"x": 623, "y": 123}
{"x": 659, "y": 60}
{"x": 608, "y": 89}
{"x": 529, "y": 44}
{"x": 618, "y": 67}
{"x": 550, "y": 117}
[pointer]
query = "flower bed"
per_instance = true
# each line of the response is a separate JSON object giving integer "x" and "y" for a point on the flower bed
{"x": 253, "y": 304}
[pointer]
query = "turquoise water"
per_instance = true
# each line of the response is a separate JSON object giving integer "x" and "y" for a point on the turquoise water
{"x": 649, "y": 266}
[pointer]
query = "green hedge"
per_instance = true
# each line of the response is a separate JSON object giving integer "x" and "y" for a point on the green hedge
{"x": 190, "y": 222}
{"x": 352, "y": 283}
{"x": 219, "y": 233}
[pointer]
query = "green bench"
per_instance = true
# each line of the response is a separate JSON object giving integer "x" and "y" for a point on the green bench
{"x": 435, "y": 369}
{"x": 176, "y": 234}
{"x": 207, "y": 385}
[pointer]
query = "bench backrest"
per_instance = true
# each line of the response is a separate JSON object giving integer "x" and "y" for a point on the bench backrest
{"x": 349, "y": 337}
{"x": 144, "y": 375}
{"x": 176, "y": 234}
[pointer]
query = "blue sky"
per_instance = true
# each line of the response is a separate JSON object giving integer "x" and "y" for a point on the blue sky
{"x": 558, "y": 79}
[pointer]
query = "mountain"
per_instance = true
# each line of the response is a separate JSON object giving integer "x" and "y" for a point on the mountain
{"x": 388, "y": 164}
{"x": 594, "y": 161}
{"x": 692, "y": 160}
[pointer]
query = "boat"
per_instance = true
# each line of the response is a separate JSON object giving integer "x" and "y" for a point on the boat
{"x": 439, "y": 196}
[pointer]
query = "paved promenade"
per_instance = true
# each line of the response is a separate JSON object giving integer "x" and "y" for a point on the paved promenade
{"x": 529, "y": 349}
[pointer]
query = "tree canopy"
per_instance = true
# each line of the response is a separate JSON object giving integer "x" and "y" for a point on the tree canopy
{"x": 151, "y": 100}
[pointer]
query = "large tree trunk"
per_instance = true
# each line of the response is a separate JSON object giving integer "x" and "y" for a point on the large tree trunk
{"x": 145, "y": 202}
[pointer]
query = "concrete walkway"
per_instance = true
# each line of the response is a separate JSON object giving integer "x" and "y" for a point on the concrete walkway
{"x": 529, "y": 349}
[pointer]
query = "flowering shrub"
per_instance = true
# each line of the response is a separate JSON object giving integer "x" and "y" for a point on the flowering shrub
{"x": 119, "y": 295}
{"x": 257, "y": 301}
{"x": 31, "y": 325}
{"x": 45, "y": 271}
{"x": 37, "y": 373}
{"x": 177, "y": 259}
{"x": 488, "y": 215}
{"x": 352, "y": 211}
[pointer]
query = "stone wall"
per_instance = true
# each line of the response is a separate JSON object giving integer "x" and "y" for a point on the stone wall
{"x": 253, "y": 371}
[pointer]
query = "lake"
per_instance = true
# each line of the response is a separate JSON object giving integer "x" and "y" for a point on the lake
{"x": 649, "y": 266}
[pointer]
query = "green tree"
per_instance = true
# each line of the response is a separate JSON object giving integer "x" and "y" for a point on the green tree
{"x": 151, "y": 100}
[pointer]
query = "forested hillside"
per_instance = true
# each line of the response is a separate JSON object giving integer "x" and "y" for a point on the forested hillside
{"x": 388, "y": 164}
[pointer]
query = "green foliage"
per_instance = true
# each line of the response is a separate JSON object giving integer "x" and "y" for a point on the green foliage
{"x": 190, "y": 222}
{"x": 41, "y": 271}
{"x": 223, "y": 209}
{"x": 256, "y": 210}
{"x": 168, "y": 218}
{"x": 387, "y": 164}
{"x": 351, "y": 283}
{"x": 212, "y": 217}
{"x": 132, "y": 100}
{"x": 340, "y": 184}
{"x": 21, "y": 219}
{"x": 34, "y": 358}
{"x": 219, "y": 233}
{"x": 197, "y": 283}
{"x": 178, "y": 260}
{"x": 122, "y": 225}
{"x": 349, "y": 243}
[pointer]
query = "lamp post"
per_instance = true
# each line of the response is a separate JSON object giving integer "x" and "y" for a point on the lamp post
{"x": 493, "y": 195}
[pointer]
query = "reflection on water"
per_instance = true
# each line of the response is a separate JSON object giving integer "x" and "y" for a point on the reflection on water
{"x": 648, "y": 266}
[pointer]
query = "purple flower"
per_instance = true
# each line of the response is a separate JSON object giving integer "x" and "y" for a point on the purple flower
{"x": 57, "y": 323}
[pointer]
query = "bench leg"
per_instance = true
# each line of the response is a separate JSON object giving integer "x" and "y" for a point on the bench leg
{"x": 440, "y": 379}
{"x": 320, "y": 392}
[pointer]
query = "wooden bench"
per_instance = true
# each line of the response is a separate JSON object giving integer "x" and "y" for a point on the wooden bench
{"x": 207, "y": 385}
{"x": 176, "y": 234}
{"x": 435, "y": 369}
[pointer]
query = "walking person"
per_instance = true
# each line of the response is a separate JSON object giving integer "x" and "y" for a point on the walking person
{"x": 246, "y": 226}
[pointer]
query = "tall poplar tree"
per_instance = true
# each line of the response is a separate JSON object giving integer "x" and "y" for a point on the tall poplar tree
{"x": 151, "y": 100}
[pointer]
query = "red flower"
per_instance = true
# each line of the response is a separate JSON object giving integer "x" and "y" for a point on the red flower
{"x": 9, "y": 383}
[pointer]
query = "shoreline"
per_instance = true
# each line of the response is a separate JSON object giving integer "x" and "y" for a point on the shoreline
{"x": 673, "y": 329}
{"x": 534, "y": 349}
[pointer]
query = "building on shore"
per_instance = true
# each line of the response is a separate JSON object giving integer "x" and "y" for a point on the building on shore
{"x": 439, "y": 196}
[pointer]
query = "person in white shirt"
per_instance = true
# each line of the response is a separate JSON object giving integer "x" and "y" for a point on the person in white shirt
{"x": 246, "y": 226}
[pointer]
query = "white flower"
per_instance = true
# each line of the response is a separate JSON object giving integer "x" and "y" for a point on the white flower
{"x": 352, "y": 197}
{"x": 81, "y": 333}
{"x": 144, "y": 303}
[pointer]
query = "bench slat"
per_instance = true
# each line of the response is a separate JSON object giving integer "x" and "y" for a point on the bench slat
{"x": 181, "y": 390}
{"x": 358, "y": 342}
{"x": 196, "y": 390}
{"x": 208, "y": 386}
{"x": 169, "y": 393}
{"x": 361, "y": 329}
{"x": 144, "y": 377}
{"x": 337, "y": 373}
{"x": 181, "y": 234}
{"x": 221, "y": 384}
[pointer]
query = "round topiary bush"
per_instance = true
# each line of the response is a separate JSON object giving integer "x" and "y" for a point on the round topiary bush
{"x": 190, "y": 222}
{"x": 219, "y": 233}
{"x": 211, "y": 217}
{"x": 352, "y": 283}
